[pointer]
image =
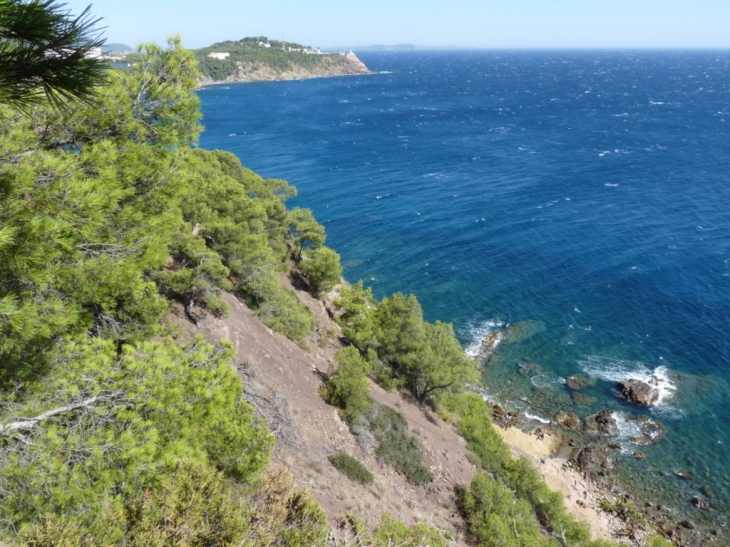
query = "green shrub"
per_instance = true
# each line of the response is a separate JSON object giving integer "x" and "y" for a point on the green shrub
{"x": 351, "y": 468}
{"x": 393, "y": 532}
{"x": 397, "y": 447}
{"x": 496, "y": 518}
{"x": 658, "y": 541}
{"x": 347, "y": 387}
{"x": 625, "y": 510}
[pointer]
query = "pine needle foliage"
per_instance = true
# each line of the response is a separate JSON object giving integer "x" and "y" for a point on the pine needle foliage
{"x": 44, "y": 53}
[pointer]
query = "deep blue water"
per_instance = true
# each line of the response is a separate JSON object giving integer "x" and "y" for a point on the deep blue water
{"x": 587, "y": 193}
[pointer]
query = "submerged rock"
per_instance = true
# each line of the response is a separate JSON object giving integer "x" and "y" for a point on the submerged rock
{"x": 638, "y": 392}
{"x": 580, "y": 381}
{"x": 568, "y": 420}
{"x": 700, "y": 503}
{"x": 684, "y": 475}
{"x": 581, "y": 399}
{"x": 602, "y": 423}
{"x": 639, "y": 455}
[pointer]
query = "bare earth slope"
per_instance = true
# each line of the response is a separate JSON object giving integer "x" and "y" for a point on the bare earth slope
{"x": 282, "y": 382}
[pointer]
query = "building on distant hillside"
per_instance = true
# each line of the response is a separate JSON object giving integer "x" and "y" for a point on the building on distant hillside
{"x": 264, "y": 44}
{"x": 94, "y": 53}
{"x": 219, "y": 56}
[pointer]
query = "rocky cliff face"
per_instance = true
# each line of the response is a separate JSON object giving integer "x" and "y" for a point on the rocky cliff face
{"x": 329, "y": 65}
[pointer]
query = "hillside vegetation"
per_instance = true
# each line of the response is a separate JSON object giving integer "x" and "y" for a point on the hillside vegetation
{"x": 112, "y": 433}
{"x": 250, "y": 60}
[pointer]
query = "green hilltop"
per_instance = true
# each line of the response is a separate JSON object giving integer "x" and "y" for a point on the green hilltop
{"x": 282, "y": 59}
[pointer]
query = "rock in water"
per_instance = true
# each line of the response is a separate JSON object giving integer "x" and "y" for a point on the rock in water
{"x": 636, "y": 391}
{"x": 684, "y": 475}
{"x": 580, "y": 381}
{"x": 651, "y": 430}
{"x": 700, "y": 503}
{"x": 603, "y": 422}
{"x": 568, "y": 420}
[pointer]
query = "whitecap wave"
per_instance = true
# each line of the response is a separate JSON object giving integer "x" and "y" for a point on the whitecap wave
{"x": 621, "y": 370}
{"x": 627, "y": 429}
{"x": 478, "y": 332}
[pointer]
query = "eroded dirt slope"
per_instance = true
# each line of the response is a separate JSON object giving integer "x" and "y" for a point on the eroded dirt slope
{"x": 282, "y": 381}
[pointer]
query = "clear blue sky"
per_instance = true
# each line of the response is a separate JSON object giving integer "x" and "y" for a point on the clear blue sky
{"x": 464, "y": 23}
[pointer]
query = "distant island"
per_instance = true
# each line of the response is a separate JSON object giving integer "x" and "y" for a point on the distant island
{"x": 258, "y": 59}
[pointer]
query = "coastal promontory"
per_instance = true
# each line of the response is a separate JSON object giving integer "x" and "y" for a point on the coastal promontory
{"x": 258, "y": 59}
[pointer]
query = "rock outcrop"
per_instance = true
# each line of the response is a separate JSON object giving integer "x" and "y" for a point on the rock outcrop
{"x": 638, "y": 392}
{"x": 602, "y": 423}
{"x": 568, "y": 420}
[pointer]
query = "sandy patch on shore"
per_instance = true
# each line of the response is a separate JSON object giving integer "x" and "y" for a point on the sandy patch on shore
{"x": 580, "y": 495}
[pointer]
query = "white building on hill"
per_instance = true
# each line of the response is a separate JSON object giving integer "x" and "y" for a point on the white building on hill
{"x": 219, "y": 56}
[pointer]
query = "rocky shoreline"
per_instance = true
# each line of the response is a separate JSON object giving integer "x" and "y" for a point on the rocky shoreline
{"x": 578, "y": 457}
{"x": 328, "y": 65}
{"x": 610, "y": 450}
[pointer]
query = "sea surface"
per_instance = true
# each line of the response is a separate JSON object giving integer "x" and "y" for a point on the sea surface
{"x": 582, "y": 195}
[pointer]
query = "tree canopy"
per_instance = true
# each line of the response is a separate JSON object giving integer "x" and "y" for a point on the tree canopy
{"x": 425, "y": 357}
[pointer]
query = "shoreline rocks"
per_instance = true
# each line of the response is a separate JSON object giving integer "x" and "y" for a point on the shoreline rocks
{"x": 602, "y": 423}
{"x": 568, "y": 420}
{"x": 638, "y": 392}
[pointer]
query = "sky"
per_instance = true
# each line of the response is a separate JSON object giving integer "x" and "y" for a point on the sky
{"x": 429, "y": 23}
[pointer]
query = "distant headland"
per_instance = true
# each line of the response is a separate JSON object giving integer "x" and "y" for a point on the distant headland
{"x": 258, "y": 59}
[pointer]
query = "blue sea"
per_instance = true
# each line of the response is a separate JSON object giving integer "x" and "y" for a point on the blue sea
{"x": 583, "y": 195}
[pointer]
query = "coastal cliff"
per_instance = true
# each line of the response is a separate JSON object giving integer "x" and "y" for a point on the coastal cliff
{"x": 260, "y": 60}
{"x": 258, "y": 71}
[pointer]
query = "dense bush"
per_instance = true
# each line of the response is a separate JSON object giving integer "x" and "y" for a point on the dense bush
{"x": 351, "y": 467}
{"x": 132, "y": 416}
{"x": 347, "y": 387}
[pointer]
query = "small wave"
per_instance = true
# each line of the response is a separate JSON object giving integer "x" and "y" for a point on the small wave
{"x": 604, "y": 153}
{"x": 478, "y": 332}
{"x": 610, "y": 185}
{"x": 656, "y": 102}
{"x": 620, "y": 370}
{"x": 343, "y": 101}
{"x": 537, "y": 418}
